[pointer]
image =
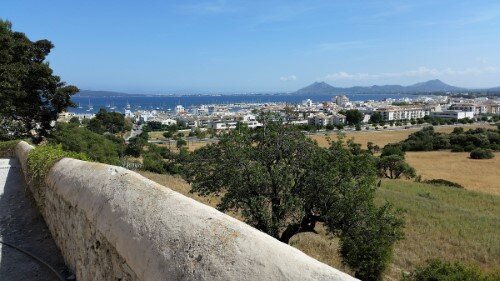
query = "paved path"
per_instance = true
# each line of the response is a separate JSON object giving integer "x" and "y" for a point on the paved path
{"x": 22, "y": 225}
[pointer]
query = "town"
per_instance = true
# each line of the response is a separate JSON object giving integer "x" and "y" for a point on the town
{"x": 312, "y": 115}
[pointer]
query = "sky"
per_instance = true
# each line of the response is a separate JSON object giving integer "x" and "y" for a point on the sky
{"x": 263, "y": 46}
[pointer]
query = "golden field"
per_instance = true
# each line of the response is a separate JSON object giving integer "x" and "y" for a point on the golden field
{"x": 441, "y": 222}
{"x": 480, "y": 175}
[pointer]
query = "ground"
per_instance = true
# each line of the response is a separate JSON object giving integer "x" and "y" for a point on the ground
{"x": 22, "y": 225}
{"x": 479, "y": 175}
{"x": 441, "y": 222}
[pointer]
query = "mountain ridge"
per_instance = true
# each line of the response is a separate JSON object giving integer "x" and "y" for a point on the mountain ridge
{"x": 431, "y": 86}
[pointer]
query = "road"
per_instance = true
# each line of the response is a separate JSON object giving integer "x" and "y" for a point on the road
{"x": 22, "y": 225}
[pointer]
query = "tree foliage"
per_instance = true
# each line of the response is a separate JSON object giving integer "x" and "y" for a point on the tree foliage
{"x": 104, "y": 149}
{"x": 482, "y": 154}
{"x": 354, "y": 117}
{"x": 376, "y": 117}
{"x": 31, "y": 96}
{"x": 394, "y": 166}
{"x": 459, "y": 140}
{"x": 110, "y": 122}
{"x": 283, "y": 183}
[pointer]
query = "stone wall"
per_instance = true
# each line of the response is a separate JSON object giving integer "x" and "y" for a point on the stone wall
{"x": 113, "y": 224}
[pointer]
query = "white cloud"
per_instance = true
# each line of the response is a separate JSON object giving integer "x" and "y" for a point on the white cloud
{"x": 288, "y": 78}
{"x": 419, "y": 72}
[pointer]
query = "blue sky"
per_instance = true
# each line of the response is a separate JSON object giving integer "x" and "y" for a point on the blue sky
{"x": 164, "y": 46}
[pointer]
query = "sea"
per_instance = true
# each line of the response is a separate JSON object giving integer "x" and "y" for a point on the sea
{"x": 88, "y": 105}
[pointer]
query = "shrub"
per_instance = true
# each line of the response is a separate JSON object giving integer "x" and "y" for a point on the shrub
{"x": 393, "y": 149}
{"x": 42, "y": 158}
{"x": 105, "y": 149}
{"x": 439, "y": 270}
{"x": 7, "y": 148}
{"x": 443, "y": 182}
{"x": 482, "y": 154}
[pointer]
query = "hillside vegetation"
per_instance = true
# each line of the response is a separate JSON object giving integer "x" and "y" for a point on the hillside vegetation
{"x": 441, "y": 222}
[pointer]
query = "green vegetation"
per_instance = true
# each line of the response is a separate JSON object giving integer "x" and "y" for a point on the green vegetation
{"x": 459, "y": 140}
{"x": 376, "y": 118}
{"x": 436, "y": 269}
{"x": 443, "y": 183}
{"x": 155, "y": 126}
{"x": 105, "y": 149}
{"x": 284, "y": 184}
{"x": 479, "y": 153}
{"x": 392, "y": 163}
{"x": 31, "y": 95}
{"x": 110, "y": 122}
{"x": 7, "y": 148}
{"x": 137, "y": 144}
{"x": 353, "y": 116}
{"x": 452, "y": 224}
{"x": 441, "y": 222}
{"x": 394, "y": 167}
{"x": 42, "y": 158}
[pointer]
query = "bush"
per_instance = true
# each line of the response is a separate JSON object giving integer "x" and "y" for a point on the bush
{"x": 42, "y": 158}
{"x": 393, "y": 149}
{"x": 439, "y": 270}
{"x": 104, "y": 149}
{"x": 482, "y": 154}
{"x": 443, "y": 182}
{"x": 7, "y": 148}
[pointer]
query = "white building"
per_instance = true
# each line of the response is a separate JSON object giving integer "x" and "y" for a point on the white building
{"x": 453, "y": 114}
{"x": 168, "y": 122}
{"x": 251, "y": 121}
{"x": 179, "y": 109}
{"x": 223, "y": 125}
{"x": 342, "y": 101}
{"x": 402, "y": 113}
{"x": 319, "y": 120}
{"x": 307, "y": 103}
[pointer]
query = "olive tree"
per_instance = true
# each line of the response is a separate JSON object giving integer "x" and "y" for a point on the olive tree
{"x": 283, "y": 184}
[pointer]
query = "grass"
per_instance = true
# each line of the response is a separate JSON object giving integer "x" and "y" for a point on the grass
{"x": 383, "y": 137}
{"x": 441, "y": 222}
{"x": 479, "y": 175}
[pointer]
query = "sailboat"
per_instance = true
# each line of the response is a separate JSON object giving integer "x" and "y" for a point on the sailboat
{"x": 91, "y": 107}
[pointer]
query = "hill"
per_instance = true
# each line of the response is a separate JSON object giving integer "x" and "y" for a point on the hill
{"x": 431, "y": 86}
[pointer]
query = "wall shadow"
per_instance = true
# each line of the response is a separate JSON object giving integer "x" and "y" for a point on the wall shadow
{"x": 22, "y": 225}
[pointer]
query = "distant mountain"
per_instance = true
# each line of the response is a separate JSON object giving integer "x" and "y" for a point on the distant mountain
{"x": 496, "y": 89}
{"x": 431, "y": 86}
{"x": 317, "y": 88}
{"x": 89, "y": 93}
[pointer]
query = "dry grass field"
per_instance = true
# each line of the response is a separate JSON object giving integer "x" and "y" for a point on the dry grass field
{"x": 480, "y": 175}
{"x": 441, "y": 222}
{"x": 383, "y": 137}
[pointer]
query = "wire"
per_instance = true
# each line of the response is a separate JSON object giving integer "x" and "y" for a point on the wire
{"x": 35, "y": 258}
